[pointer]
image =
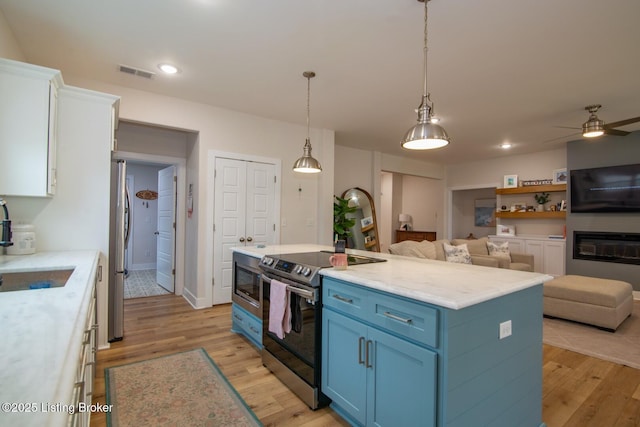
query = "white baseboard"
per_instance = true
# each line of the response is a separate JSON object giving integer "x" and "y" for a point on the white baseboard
{"x": 195, "y": 302}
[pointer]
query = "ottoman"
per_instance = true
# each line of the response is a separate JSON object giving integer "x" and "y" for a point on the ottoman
{"x": 599, "y": 302}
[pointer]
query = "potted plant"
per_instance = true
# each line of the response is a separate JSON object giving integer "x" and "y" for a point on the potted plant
{"x": 541, "y": 199}
{"x": 341, "y": 222}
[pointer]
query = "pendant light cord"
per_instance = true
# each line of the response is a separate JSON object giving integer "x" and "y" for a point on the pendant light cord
{"x": 308, "y": 103}
{"x": 424, "y": 92}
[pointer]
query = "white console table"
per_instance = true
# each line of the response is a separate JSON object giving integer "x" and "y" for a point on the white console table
{"x": 548, "y": 254}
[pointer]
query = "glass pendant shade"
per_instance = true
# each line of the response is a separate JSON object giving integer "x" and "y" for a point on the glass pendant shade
{"x": 306, "y": 163}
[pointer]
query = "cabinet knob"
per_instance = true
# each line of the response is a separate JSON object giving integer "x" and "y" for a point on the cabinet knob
{"x": 242, "y": 239}
{"x": 249, "y": 239}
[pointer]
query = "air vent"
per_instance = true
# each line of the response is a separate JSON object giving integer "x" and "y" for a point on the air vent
{"x": 136, "y": 71}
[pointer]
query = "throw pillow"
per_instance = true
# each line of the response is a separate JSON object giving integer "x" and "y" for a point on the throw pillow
{"x": 499, "y": 250}
{"x": 459, "y": 254}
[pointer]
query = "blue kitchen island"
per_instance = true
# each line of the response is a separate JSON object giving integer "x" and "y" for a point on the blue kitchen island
{"x": 413, "y": 342}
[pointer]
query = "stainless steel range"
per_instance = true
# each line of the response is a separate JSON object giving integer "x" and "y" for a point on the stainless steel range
{"x": 295, "y": 359}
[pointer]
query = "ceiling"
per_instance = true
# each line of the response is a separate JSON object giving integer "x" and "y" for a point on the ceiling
{"x": 499, "y": 70}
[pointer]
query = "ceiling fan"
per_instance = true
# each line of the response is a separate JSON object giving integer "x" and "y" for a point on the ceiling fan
{"x": 595, "y": 127}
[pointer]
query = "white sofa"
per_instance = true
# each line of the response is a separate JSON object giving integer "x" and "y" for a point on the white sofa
{"x": 477, "y": 248}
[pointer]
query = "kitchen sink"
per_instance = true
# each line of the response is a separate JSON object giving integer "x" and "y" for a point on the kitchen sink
{"x": 30, "y": 280}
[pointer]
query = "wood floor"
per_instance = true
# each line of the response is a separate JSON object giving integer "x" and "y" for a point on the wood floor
{"x": 578, "y": 391}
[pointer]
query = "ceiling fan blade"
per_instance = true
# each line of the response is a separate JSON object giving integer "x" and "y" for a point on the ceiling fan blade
{"x": 622, "y": 123}
{"x": 566, "y": 127}
{"x": 560, "y": 138}
{"x": 616, "y": 132}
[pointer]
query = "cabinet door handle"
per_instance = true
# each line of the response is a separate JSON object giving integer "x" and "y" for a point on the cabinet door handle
{"x": 360, "y": 342}
{"x": 249, "y": 239}
{"x": 242, "y": 239}
{"x": 343, "y": 299}
{"x": 398, "y": 318}
{"x": 366, "y": 355}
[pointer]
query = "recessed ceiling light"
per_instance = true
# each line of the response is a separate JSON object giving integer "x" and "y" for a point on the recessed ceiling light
{"x": 168, "y": 68}
{"x": 505, "y": 145}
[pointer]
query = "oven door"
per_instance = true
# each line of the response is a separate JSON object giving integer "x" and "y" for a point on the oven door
{"x": 247, "y": 291}
{"x": 299, "y": 350}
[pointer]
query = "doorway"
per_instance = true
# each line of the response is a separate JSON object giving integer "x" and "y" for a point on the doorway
{"x": 149, "y": 265}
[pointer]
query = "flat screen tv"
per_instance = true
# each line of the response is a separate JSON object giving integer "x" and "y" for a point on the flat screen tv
{"x": 607, "y": 189}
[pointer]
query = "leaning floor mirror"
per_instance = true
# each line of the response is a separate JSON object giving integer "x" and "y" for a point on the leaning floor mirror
{"x": 364, "y": 233}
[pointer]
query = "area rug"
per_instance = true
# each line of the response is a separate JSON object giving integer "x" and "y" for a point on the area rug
{"x": 182, "y": 389}
{"x": 621, "y": 346}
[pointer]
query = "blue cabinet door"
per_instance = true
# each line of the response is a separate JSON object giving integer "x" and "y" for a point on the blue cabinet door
{"x": 401, "y": 382}
{"x": 344, "y": 377}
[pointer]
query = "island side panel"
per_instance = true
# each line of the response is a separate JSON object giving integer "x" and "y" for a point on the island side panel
{"x": 487, "y": 380}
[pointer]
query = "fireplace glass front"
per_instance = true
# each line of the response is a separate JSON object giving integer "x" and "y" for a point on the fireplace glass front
{"x": 607, "y": 247}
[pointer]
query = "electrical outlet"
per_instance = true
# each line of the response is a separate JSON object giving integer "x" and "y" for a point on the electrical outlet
{"x": 505, "y": 329}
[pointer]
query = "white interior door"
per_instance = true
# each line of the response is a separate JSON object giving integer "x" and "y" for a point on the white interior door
{"x": 166, "y": 232}
{"x": 260, "y": 203}
{"x": 244, "y": 215}
{"x": 229, "y": 223}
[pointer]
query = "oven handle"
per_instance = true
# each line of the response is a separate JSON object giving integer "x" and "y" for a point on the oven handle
{"x": 302, "y": 292}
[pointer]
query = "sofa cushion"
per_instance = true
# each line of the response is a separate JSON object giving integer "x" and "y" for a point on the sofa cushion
{"x": 499, "y": 249}
{"x": 475, "y": 246}
{"x": 439, "y": 245}
{"x": 459, "y": 254}
{"x": 424, "y": 249}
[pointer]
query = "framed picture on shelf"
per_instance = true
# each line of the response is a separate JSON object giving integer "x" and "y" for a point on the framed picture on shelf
{"x": 510, "y": 181}
{"x": 560, "y": 176}
{"x": 506, "y": 230}
{"x": 366, "y": 221}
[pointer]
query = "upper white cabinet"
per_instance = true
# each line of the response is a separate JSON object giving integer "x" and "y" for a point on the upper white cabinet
{"x": 28, "y": 120}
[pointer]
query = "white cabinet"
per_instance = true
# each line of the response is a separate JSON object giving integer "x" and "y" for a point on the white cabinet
{"x": 548, "y": 254}
{"x": 28, "y": 128}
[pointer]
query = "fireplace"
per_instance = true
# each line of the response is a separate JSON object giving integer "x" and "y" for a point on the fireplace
{"x": 607, "y": 247}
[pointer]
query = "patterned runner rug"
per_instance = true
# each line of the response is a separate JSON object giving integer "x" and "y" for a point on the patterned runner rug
{"x": 182, "y": 389}
{"x": 621, "y": 346}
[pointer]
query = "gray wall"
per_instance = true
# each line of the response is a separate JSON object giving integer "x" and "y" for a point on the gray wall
{"x": 605, "y": 151}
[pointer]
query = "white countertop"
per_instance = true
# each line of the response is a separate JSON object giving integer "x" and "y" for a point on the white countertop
{"x": 41, "y": 334}
{"x": 440, "y": 283}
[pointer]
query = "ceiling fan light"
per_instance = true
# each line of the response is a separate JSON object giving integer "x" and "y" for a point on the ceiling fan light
{"x": 593, "y": 128}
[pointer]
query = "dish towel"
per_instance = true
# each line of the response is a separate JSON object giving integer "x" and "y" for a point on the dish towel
{"x": 279, "y": 309}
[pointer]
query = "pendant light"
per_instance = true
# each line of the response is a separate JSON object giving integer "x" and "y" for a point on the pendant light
{"x": 306, "y": 163}
{"x": 426, "y": 135}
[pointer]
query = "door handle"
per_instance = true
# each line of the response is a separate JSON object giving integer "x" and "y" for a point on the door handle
{"x": 242, "y": 239}
{"x": 366, "y": 355}
{"x": 156, "y": 233}
{"x": 360, "y": 342}
{"x": 249, "y": 239}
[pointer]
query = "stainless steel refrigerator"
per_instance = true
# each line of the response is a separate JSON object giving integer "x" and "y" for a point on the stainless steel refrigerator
{"x": 119, "y": 227}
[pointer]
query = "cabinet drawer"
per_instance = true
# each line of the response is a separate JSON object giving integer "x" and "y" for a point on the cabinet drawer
{"x": 246, "y": 324}
{"x": 407, "y": 319}
{"x": 344, "y": 297}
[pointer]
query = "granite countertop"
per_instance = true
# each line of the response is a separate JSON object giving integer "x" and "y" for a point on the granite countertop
{"x": 41, "y": 334}
{"x": 445, "y": 284}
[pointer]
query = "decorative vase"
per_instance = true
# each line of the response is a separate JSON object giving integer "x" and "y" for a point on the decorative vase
{"x": 540, "y": 208}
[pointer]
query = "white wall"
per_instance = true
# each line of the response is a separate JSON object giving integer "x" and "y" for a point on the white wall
{"x": 137, "y": 138}
{"x": 8, "y": 45}
{"x": 423, "y": 199}
{"x": 306, "y": 200}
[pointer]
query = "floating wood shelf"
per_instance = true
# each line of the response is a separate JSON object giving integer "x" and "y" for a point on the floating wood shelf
{"x": 533, "y": 215}
{"x": 533, "y": 189}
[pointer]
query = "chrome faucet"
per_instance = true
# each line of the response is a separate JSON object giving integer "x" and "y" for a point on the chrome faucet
{"x": 5, "y": 236}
